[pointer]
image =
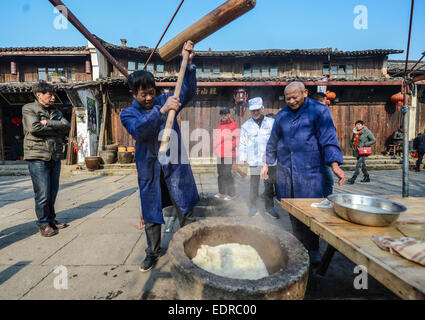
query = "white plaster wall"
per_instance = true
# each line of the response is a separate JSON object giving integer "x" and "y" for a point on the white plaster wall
{"x": 99, "y": 63}
{"x": 88, "y": 142}
{"x": 413, "y": 114}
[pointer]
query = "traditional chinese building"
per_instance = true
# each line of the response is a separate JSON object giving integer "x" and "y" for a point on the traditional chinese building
{"x": 21, "y": 67}
{"x": 363, "y": 82}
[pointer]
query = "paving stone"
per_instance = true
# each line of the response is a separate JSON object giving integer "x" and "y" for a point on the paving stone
{"x": 101, "y": 211}
{"x": 20, "y": 278}
{"x": 32, "y": 246}
{"x": 118, "y": 225}
{"x": 95, "y": 249}
{"x": 108, "y": 282}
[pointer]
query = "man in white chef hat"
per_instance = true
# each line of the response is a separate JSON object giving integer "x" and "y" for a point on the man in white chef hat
{"x": 255, "y": 133}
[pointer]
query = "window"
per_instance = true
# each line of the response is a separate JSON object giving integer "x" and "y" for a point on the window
{"x": 341, "y": 71}
{"x": 199, "y": 72}
{"x": 334, "y": 72}
{"x": 216, "y": 70}
{"x": 42, "y": 75}
{"x": 246, "y": 69}
{"x": 159, "y": 69}
{"x": 255, "y": 70}
{"x": 207, "y": 70}
{"x": 264, "y": 70}
{"x": 51, "y": 73}
{"x": 131, "y": 67}
{"x": 150, "y": 67}
{"x": 350, "y": 71}
{"x": 326, "y": 69}
{"x": 273, "y": 70}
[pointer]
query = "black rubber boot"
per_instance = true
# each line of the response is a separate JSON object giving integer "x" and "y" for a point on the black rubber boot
{"x": 352, "y": 180}
{"x": 365, "y": 179}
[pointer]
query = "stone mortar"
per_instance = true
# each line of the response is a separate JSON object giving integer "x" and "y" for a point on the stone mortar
{"x": 286, "y": 259}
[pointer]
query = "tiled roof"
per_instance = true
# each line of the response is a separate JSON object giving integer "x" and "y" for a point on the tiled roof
{"x": 397, "y": 66}
{"x": 119, "y": 81}
{"x": 123, "y": 81}
{"x": 41, "y": 49}
{"x": 266, "y": 52}
{"x": 27, "y": 86}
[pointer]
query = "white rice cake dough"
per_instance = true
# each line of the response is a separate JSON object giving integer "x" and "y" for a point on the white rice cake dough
{"x": 231, "y": 260}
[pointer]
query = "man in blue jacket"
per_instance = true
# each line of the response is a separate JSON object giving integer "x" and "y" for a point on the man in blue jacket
{"x": 303, "y": 140}
{"x": 161, "y": 184}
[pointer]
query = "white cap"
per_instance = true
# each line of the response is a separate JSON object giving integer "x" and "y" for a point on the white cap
{"x": 255, "y": 103}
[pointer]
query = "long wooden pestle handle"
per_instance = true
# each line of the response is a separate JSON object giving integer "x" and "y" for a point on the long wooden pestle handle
{"x": 172, "y": 114}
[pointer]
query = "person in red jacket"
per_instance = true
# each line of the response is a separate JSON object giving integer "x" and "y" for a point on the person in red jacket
{"x": 226, "y": 140}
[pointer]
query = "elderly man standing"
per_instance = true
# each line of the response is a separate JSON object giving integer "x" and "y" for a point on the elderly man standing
{"x": 45, "y": 129}
{"x": 303, "y": 140}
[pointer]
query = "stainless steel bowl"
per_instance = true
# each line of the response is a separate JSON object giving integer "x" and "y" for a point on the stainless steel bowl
{"x": 366, "y": 210}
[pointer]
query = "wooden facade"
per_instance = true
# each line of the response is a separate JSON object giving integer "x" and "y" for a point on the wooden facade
{"x": 362, "y": 80}
{"x": 50, "y": 68}
{"x": 20, "y": 68}
{"x": 203, "y": 113}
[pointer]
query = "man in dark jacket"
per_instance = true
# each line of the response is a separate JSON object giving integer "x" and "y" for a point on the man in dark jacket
{"x": 44, "y": 129}
{"x": 419, "y": 146}
{"x": 362, "y": 137}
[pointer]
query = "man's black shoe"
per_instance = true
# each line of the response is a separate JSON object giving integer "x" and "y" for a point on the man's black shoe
{"x": 148, "y": 263}
{"x": 365, "y": 179}
{"x": 351, "y": 180}
{"x": 272, "y": 213}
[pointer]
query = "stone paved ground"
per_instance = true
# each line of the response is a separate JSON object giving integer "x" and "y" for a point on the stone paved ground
{"x": 102, "y": 250}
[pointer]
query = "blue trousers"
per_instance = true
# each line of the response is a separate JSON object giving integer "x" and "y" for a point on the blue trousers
{"x": 45, "y": 182}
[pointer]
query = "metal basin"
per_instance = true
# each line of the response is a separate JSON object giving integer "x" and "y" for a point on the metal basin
{"x": 366, "y": 210}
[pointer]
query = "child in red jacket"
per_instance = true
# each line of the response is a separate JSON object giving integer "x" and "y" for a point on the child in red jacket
{"x": 226, "y": 140}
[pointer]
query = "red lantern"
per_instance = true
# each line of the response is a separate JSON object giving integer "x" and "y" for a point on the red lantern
{"x": 328, "y": 102}
{"x": 13, "y": 68}
{"x": 240, "y": 96}
{"x": 398, "y": 99}
{"x": 330, "y": 95}
{"x": 88, "y": 66}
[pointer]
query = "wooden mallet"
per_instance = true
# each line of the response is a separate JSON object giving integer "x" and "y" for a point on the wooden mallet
{"x": 201, "y": 29}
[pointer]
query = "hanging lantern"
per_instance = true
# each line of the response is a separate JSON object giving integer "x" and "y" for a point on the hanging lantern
{"x": 328, "y": 102}
{"x": 13, "y": 68}
{"x": 398, "y": 99}
{"x": 240, "y": 96}
{"x": 88, "y": 66}
{"x": 330, "y": 95}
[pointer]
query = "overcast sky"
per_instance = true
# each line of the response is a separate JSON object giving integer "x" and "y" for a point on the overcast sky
{"x": 272, "y": 24}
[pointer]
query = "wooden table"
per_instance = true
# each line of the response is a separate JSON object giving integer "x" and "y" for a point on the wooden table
{"x": 401, "y": 276}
